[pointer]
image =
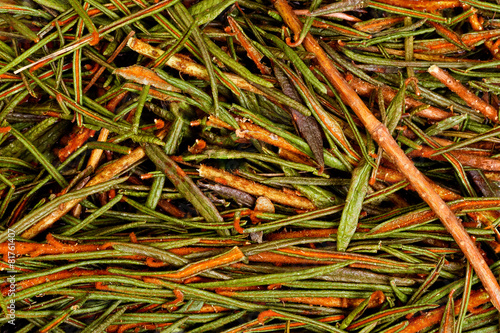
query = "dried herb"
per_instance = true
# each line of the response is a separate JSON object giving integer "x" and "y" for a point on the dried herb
{"x": 249, "y": 166}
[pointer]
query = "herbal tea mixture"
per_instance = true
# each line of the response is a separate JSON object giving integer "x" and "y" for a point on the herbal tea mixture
{"x": 249, "y": 166}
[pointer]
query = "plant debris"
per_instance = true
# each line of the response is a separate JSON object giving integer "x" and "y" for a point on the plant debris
{"x": 249, "y": 166}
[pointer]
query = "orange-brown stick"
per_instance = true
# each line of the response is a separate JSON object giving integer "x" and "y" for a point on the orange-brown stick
{"x": 442, "y": 46}
{"x": 411, "y": 219}
{"x": 170, "y": 208}
{"x": 311, "y": 233}
{"x": 471, "y": 99}
{"x": 125, "y": 327}
{"x": 382, "y": 136}
{"x": 366, "y": 89}
{"x": 318, "y": 254}
{"x": 152, "y": 92}
{"x": 252, "y": 131}
{"x": 53, "y": 277}
{"x": 182, "y": 251}
{"x": 376, "y": 299}
{"x": 104, "y": 174}
{"x": 249, "y": 130}
{"x": 36, "y": 249}
{"x": 144, "y": 76}
{"x": 234, "y": 255}
{"x": 267, "y": 314}
{"x": 377, "y": 25}
{"x": 427, "y": 5}
{"x": 254, "y": 188}
{"x": 433, "y": 317}
{"x": 108, "y": 172}
{"x": 95, "y": 156}
{"x": 473, "y": 19}
{"x": 76, "y": 141}
{"x": 186, "y": 65}
{"x": 281, "y": 259}
{"x": 394, "y": 176}
{"x": 302, "y": 256}
{"x": 472, "y": 160}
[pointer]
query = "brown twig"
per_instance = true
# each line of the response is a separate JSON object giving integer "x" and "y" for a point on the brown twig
{"x": 366, "y": 89}
{"x": 52, "y": 247}
{"x": 186, "y": 65}
{"x": 75, "y": 141}
{"x": 225, "y": 259}
{"x": 251, "y": 187}
{"x": 96, "y": 154}
{"x": 472, "y": 100}
{"x": 144, "y": 76}
{"x": 433, "y": 317}
{"x": 412, "y": 218}
{"x": 426, "y": 5}
{"x": 393, "y": 176}
{"x": 337, "y": 302}
{"x": 472, "y": 160}
{"x": 105, "y": 174}
{"x": 53, "y": 277}
{"x": 252, "y": 131}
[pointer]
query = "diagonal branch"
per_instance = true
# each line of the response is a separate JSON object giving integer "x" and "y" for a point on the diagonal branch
{"x": 382, "y": 136}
